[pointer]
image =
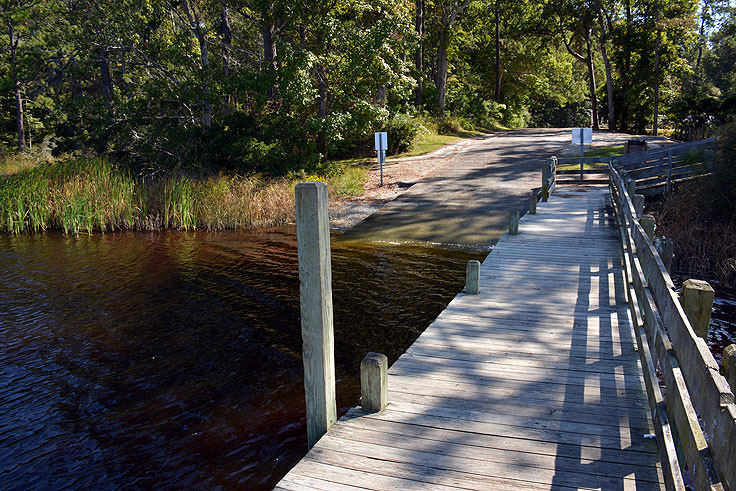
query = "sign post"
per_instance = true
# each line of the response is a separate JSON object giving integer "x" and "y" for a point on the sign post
{"x": 582, "y": 136}
{"x": 381, "y": 146}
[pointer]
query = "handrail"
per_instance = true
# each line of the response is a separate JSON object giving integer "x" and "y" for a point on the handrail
{"x": 694, "y": 386}
{"x": 676, "y": 149}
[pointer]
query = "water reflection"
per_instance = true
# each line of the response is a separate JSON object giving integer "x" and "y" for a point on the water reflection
{"x": 142, "y": 360}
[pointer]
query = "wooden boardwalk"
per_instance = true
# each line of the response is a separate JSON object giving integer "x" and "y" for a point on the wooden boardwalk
{"x": 535, "y": 383}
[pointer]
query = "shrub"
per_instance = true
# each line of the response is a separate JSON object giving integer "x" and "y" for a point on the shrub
{"x": 402, "y": 130}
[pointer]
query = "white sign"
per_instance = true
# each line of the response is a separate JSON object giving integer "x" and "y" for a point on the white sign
{"x": 587, "y": 135}
{"x": 381, "y": 141}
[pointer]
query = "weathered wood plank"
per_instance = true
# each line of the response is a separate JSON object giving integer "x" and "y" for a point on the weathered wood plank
{"x": 507, "y": 391}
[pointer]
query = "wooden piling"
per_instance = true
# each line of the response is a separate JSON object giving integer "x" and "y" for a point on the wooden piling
{"x": 697, "y": 302}
{"x": 374, "y": 382}
{"x": 315, "y": 295}
{"x": 545, "y": 181}
{"x": 665, "y": 248}
{"x": 533, "y": 203}
{"x": 514, "y": 223}
{"x": 729, "y": 365}
{"x": 472, "y": 277}
{"x": 638, "y": 201}
{"x": 630, "y": 185}
{"x": 648, "y": 223}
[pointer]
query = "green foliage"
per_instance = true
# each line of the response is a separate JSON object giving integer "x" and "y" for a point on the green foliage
{"x": 401, "y": 131}
{"x": 721, "y": 187}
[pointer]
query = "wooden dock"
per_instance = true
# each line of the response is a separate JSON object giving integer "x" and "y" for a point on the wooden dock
{"x": 534, "y": 383}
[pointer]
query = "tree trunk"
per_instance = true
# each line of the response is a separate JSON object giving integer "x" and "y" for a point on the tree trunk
{"x": 591, "y": 76}
{"x": 226, "y": 44}
{"x": 609, "y": 87}
{"x": 420, "y": 53}
{"x": 206, "y": 89}
{"x": 655, "y": 124}
{"x": 499, "y": 73}
{"x": 321, "y": 98}
{"x": 269, "y": 53}
{"x": 227, "y": 39}
{"x": 442, "y": 68}
{"x": 196, "y": 28}
{"x": 105, "y": 76}
{"x": 19, "y": 118}
{"x": 13, "y": 38}
{"x": 702, "y": 32}
{"x": 626, "y": 73}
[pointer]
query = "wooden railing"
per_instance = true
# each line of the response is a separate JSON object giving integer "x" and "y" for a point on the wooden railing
{"x": 695, "y": 392}
{"x": 656, "y": 170}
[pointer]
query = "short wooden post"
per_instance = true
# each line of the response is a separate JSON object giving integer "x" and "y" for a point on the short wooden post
{"x": 514, "y": 223}
{"x": 665, "y": 248}
{"x": 729, "y": 365}
{"x": 697, "y": 302}
{"x": 668, "y": 187}
{"x": 638, "y": 201}
{"x": 648, "y": 223}
{"x": 472, "y": 277}
{"x": 374, "y": 382}
{"x": 315, "y": 295}
{"x": 545, "y": 181}
{"x": 533, "y": 203}
{"x": 630, "y": 185}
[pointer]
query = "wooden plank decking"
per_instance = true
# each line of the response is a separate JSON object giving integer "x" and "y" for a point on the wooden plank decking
{"x": 534, "y": 383}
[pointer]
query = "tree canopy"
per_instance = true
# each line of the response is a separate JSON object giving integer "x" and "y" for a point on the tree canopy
{"x": 273, "y": 85}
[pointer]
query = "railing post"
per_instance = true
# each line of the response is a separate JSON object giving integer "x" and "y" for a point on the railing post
{"x": 315, "y": 296}
{"x": 666, "y": 249}
{"x": 648, "y": 223}
{"x": 638, "y": 201}
{"x": 472, "y": 277}
{"x": 533, "y": 203}
{"x": 729, "y": 365}
{"x": 514, "y": 223}
{"x": 697, "y": 302}
{"x": 545, "y": 180}
{"x": 668, "y": 188}
{"x": 374, "y": 382}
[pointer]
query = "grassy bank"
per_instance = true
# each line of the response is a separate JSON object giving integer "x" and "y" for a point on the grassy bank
{"x": 86, "y": 195}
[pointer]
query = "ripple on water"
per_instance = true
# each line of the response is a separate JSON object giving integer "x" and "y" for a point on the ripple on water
{"x": 152, "y": 359}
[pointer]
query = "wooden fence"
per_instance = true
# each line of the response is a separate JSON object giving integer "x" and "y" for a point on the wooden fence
{"x": 656, "y": 170}
{"x": 695, "y": 392}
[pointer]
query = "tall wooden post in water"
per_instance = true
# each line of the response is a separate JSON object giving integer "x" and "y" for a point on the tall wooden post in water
{"x": 315, "y": 295}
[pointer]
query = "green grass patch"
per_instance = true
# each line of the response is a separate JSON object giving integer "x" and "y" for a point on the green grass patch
{"x": 606, "y": 151}
{"x": 428, "y": 142}
{"x": 596, "y": 166}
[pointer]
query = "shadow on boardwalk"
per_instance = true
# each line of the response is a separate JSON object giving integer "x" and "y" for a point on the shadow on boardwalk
{"x": 532, "y": 384}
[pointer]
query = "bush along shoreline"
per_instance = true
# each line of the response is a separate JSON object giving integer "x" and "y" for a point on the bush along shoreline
{"x": 700, "y": 217}
{"x": 95, "y": 195}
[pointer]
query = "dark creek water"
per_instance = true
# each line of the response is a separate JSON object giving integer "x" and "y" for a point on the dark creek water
{"x": 173, "y": 360}
{"x": 722, "y": 330}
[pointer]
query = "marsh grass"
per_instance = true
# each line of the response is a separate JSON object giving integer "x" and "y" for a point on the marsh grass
{"x": 86, "y": 195}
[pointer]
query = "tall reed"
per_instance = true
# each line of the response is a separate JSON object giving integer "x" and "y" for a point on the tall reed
{"x": 88, "y": 195}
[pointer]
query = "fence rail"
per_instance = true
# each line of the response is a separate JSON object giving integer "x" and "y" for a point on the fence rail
{"x": 695, "y": 390}
{"x": 656, "y": 170}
